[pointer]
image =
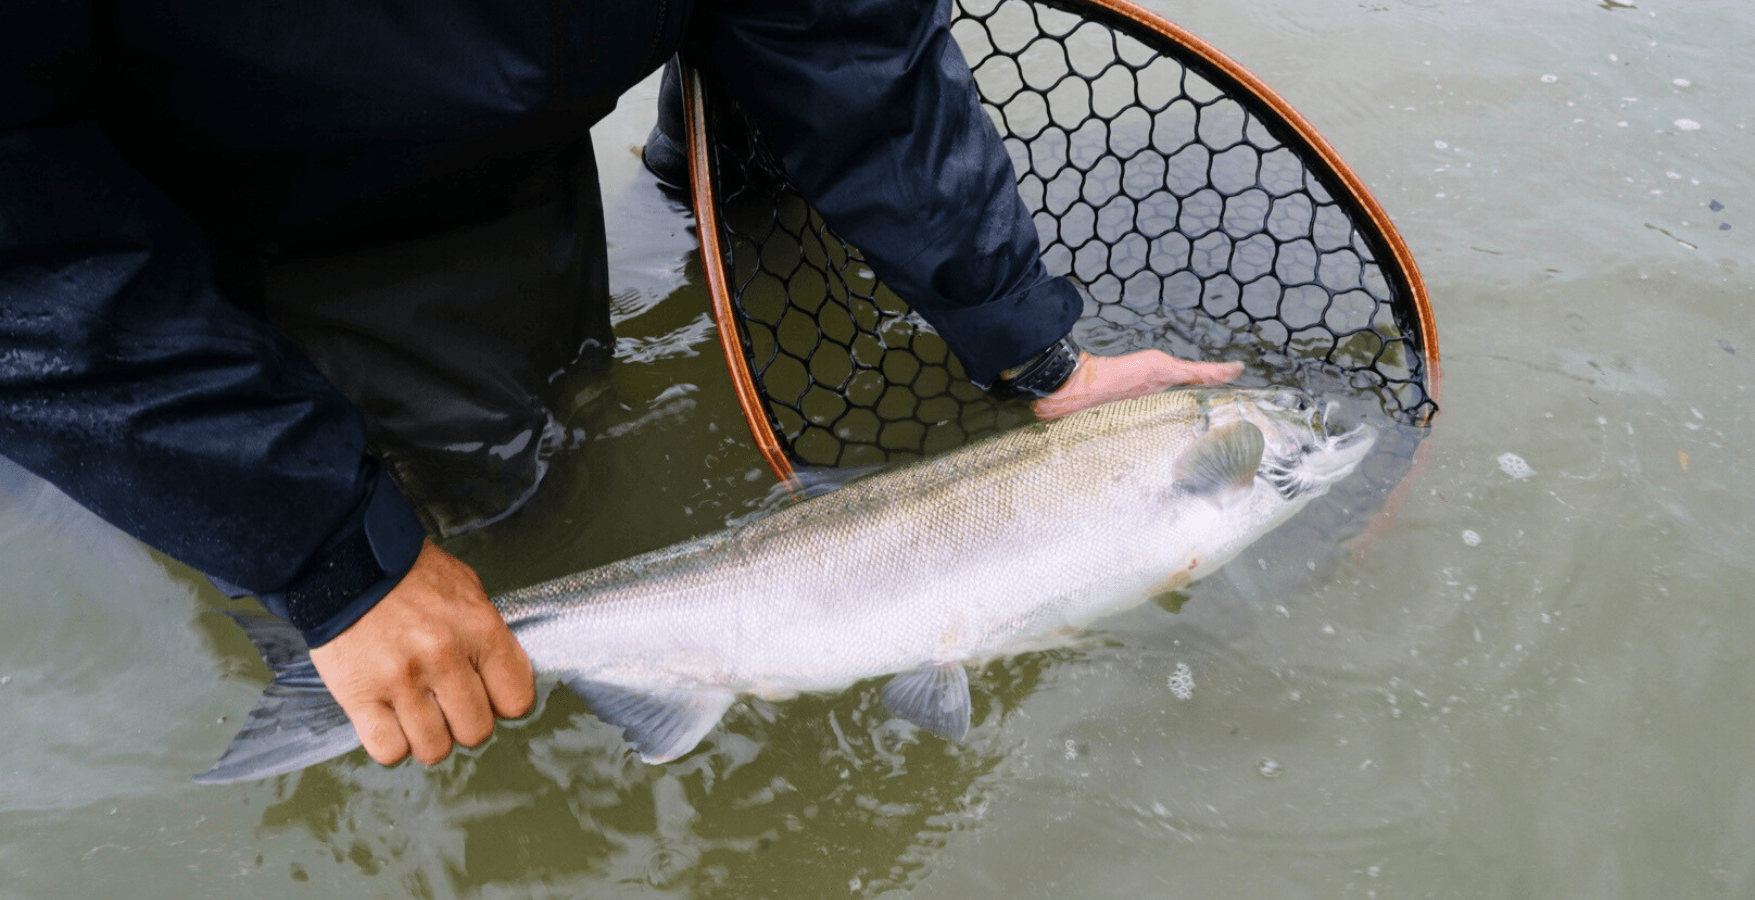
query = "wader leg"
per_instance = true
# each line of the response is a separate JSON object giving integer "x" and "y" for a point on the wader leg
{"x": 467, "y": 348}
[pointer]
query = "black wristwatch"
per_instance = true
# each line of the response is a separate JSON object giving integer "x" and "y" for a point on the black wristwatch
{"x": 1042, "y": 374}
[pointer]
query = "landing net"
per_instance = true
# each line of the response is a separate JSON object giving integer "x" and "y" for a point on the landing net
{"x": 1199, "y": 213}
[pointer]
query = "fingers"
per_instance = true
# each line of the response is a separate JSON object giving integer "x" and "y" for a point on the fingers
{"x": 429, "y": 666}
{"x": 1148, "y": 371}
{"x": 464, "y": 712}
{"x": 1185, "y": 372}
{"x": 506, "y": 674}
{"x": 423, "y": 723}
{"x": 379, "y": 732}
{"x": 1100, "y": 379}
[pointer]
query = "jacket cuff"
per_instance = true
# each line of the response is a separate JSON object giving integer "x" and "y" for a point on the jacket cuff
{"x": 368, "y": 556}
{"x": 1002, "y": 333}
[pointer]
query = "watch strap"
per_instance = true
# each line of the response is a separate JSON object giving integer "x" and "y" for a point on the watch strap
{"x": 1042, "y": 375}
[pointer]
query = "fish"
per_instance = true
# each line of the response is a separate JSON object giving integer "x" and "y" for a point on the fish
{"x": 1014, "y": 543}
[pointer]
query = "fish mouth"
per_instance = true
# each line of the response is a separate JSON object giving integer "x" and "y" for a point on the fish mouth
{"x": 1332, "y": 446}
{"x": 1326, "y": 423}
{"x": 1338, "y": 436}
{"x": 1349, "y": 446}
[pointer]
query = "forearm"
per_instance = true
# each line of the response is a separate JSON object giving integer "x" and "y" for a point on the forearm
{"x": 874, "y": 113}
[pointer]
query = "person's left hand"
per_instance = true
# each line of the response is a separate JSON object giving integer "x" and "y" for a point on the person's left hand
{"x": 431, "y": 664}
{"x": 1100, "y": 379}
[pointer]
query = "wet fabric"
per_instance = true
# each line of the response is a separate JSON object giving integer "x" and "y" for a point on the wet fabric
{"x": 174, "y": 176}
{"x": 129, "y": 382}
{"x": 467, "y": 348}
{"x": 870, "y": 106}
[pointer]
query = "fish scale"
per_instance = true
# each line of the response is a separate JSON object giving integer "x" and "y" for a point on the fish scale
{"x": 1008, "y": 544}
{"x": 831, "y": 568}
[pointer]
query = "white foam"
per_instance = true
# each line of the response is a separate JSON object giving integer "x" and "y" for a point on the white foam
{"x": 1687, "y": 125}
{"x": 1182, "y": 682}
{"x": 1473, "y": 539}
{"x": 1513, "y": 465}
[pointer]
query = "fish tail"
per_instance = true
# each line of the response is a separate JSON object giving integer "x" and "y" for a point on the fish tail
{"x": 296, "y": 723}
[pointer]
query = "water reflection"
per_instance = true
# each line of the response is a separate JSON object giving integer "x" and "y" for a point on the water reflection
{"x": 814, "y": 796}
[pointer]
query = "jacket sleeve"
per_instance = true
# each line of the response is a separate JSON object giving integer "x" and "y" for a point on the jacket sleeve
{"x": 872, "y": 109}
{"x": 130, "y": 383}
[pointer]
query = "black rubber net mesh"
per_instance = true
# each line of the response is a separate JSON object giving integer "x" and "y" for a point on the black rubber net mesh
{"x": 1193, "y": 220}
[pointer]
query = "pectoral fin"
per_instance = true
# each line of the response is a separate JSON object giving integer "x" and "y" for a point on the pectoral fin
{"x": 661, "y": 726}
{"x": 1224, "y": 460}
{"x": 934, "y": 697}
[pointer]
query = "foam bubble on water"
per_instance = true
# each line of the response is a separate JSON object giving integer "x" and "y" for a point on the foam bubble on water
{"x": 1513, "y": 465}
{"x": 1550, "y": 79}
{"x": 1441, "y": 145}
{"x": 1687, "y": 125}
{"x": 1269, "y": 768}
{"x": 1182, "y": 682}
{"x": 1682, "y": 82}
{"x": 1473, "y": 539}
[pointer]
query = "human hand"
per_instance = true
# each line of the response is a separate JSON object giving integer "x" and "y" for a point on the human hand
{"x": 1099, "y": 379}
{"x": 431, "y": 664}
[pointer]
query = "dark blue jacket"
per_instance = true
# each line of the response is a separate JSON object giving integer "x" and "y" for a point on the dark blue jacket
{"x": 137, "y": 136}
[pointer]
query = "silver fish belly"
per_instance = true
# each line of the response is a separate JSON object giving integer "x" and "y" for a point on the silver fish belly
{"x": 1003, "y": 545}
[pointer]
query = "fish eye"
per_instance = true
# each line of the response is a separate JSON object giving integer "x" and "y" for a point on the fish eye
{"x": 1297, "y": 401}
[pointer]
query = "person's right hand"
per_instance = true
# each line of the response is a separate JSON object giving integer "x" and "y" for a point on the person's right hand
{"x": 1100, "y": 379}
{"x": 430, "y": 665}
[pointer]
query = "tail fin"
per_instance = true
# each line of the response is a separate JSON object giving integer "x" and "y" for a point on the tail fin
{"x": 295, "y": 724}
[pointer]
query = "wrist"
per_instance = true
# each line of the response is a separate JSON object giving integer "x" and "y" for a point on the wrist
{"x": 1042, "y": 374}
{"x": 368, "y": 558}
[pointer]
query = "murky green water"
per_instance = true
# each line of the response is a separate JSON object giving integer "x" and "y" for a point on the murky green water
{"x": 1525, "y": 686}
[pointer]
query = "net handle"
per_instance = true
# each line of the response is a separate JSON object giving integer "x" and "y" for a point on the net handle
{"x": 1355, "y": 186}
{"x": 743, "y": 381}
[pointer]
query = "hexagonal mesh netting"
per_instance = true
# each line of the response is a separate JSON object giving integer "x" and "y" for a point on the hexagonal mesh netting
{"x": 1198, "y": 212}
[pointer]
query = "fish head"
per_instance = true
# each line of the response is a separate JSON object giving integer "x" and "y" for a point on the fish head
{"x": 1306, "y": 448}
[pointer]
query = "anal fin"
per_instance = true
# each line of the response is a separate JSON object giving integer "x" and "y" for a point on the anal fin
{"x": 660, "y": 725}
{"x": 934, "y": 697}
